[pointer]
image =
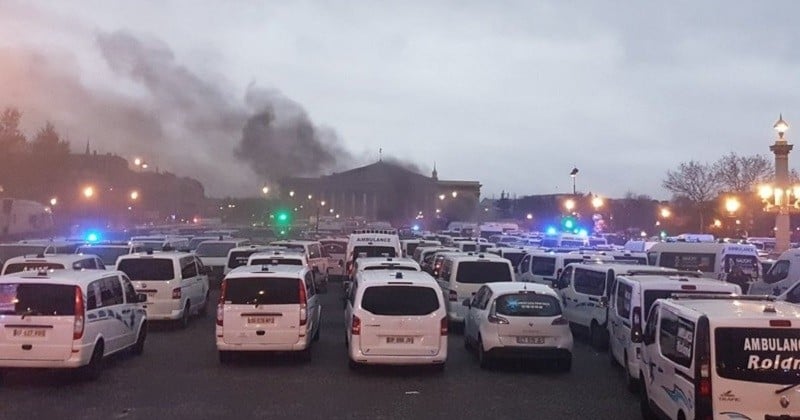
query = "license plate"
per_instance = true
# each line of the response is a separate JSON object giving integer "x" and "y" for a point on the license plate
{"x": 530, "y": 340}
{"x": 29, "y": 333}
{"x": 400, "y": 340}
{"x": 260, "y": 320}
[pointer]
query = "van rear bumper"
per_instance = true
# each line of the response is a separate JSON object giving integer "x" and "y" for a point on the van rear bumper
{"x": 360, "y": 358}
{"x": 300, "y": 345}
{"x": 172, "y": 315}
{"x": 79, "y": 357}
{"x": 529, "y": 353}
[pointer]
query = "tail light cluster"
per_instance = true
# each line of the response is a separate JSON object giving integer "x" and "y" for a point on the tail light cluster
{"x": 636, "y": 325}
{"x": 220, "y": 304}
{"x": 176, "y": 293}
{"x": 355, "y": 326}
{"x": 452, "y": 296}
{"x": 702, "y": 374}
{"x": 560, "y": 321}
{"x": 301, "y": 290}
{"x": 443, "y": 327}
{"x": 80, "y": 320}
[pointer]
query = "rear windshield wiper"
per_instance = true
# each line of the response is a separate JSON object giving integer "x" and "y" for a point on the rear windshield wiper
{"x": 30, "y": 312}
{"x": 786, "y": 388}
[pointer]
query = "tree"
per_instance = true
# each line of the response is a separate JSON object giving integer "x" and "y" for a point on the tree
{"x": 12, "y": 141}
{"x": 48, "y": 143}
{"x": 741, "y": 174}
{"x": 698, "y": 182}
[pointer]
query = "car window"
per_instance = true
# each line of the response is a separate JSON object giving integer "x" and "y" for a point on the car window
{"x": 310, "y": 287}
{"x": 566, "y": 276}
{"x": 476, "y": 298}
{"x": 262, "y": 291}
{"x": 130, "y": 292}
{"x": 778, "y": 272}
{"x": 525, "y": 265}
{"x": 151, "y": 269}
{"x": 485, "y": 299}
{"x": 623, "y": 300}
{"x": 676, "y": 338}
{"x": 188, "y": 268}
{"x": 484, "y": 271}
{"x": 589, "y": 282}
{"x": 93, "y": 295}
{"x": 110, "y": 291}
{"x": 314, "y": 251}
{"x": 527, "y": 304}
{"x": 400, "y": 300}
{"x": 794, "y": 294}
{"x": 543, "y": 266}
{"x": 36, "y": 298}
{"x": 87, "y": 263}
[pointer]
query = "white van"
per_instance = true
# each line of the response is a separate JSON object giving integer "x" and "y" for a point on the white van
{"x": 514, "y": 255}
{"x": 545, "y": 267}
{"x": 214, "y": 255}
{"x": 585, "y": 288}
{"x": 239, "y": 256}
{"x": 162, "y": 242}
{"x": 371, "y": 245}
{"x": 564, "y": 240}
{"x": 68, "y": 319}
{"x": 630, "y": 302}
{"x": 784, "y": 273}
{"x": 261, "y": 309}
{"x": 176, "y": 284}
{"x": 714, "y": 260}
{"x": 110, "y": 251}
{"x": 461, "y": 275}
{"x": 317, "y": 262}
{"x": 335, "y": 250}
{"x": 733, "y": 357}
{"x": 395, "y": 318}
{"x": 53, "y": 262}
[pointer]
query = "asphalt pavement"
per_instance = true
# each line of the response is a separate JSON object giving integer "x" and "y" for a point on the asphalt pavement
{"x": 179, "y": 377}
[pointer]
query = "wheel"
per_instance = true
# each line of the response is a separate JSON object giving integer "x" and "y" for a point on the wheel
{"x": 644, "y": 404}
{"x": 633, "y": 383}
{"x": 138, "y": 347}
{"x": 184, "y": 321}
{"x": 316, "y": 334}
{"x": 225, "y": 357}
{"x": 203, "y": 311}
{"x": 305, "y": 354}
{"x": 599, "y": 342}
{"x": 564, "y": 365}
{"x": 484, "y": 361}
{"x": 92, "y": 371}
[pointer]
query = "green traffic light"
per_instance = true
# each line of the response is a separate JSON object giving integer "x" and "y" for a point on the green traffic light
{"x": 282, "y": 217}
{"x": 569, "y": 224}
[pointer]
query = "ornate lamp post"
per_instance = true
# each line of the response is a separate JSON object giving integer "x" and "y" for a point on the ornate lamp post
{"x": 780, "y": 198}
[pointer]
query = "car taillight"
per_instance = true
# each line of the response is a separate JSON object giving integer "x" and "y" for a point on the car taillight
{"x": 77, "y": 328}
{"x": 560, "y": 321}
{"x": 355, "y": 328}
{"x": 443, "y": 326}
{"x": 221, "y": 303}
{"x": 176, "y": 293}
{"x": 636, "y": 325}
{"x": 785, "y": 323}
{"x": 452, "y": 296}
{"x": 703, "y": 401}
{"x": 301, "y": 290}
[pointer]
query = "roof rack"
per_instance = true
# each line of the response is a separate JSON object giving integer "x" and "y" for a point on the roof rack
{"x": 708, "y": 296}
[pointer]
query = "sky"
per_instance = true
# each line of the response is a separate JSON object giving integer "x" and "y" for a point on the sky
{"x": 513, "y": 94}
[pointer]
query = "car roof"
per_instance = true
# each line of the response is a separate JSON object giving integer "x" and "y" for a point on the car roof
{"x": 624, "y": 269}
{"x": 268, "y": 271}
{"x": 260, "y": 248}
{"x": 515, "y": 286}
{"x": 386, "y": 260}
{"x": 390, "y": 276}
{"x": 51, "y": 258}
{"x": 680, "y": 277}
{"x": 172, "y": 255}
{"x": 732, "y": 308}
{"x": 224, "y": 241}
{"x": 476, "y": 256}
{"x": 279, "y": 254}
{"x": 69, "y": 277}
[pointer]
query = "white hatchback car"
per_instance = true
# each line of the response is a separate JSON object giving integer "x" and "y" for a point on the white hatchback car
{"x": 517, "y": 320}
{"x": 396, "y": 318}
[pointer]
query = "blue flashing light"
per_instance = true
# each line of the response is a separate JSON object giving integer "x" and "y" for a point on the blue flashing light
{"x": 551, "y": 231}
{"x": 583, "y": 232}
{"x": 569, "y": 224}
{"x": 415, "y": 228}
{"x": 92, "y": 237}
{"x": 575, "y": 231}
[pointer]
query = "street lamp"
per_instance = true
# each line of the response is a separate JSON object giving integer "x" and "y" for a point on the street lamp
{"x": 732, "y": 205}
{"x": 291, "y": 193}
{"x": 53, "y": 201}
{"x": 454, "y": 194}
{"x": 88, "y": 192}
{"x": 137, "y": 162}
{"x": 134, "y": 195}
{"x": 597, "y": 202}
{"x": 780, "y": 197}
{"x": 569, "y": 205}
{"x": 574, "y": 174}
{"x": 265, "y": 190}
{"x": 441, "y": 197}
{"x": 665, "y": 213}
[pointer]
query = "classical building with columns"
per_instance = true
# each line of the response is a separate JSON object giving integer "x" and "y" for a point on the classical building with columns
{"x": 383, "y": 191}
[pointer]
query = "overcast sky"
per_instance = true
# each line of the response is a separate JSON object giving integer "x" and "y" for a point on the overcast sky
{"x": 512, "y": 94}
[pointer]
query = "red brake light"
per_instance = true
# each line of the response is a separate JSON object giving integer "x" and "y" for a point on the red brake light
{"x": 705, "y": 387}
{"x": 221, "y": 303}
{"x": 452, "y": 296}
{"x": 443, "y": 328}
{"x": 301, "y": 290}
{"x": 176, "y": 293}
{"x": 780, "y": 323}
{"x": 355, "y": 328}
{"x": 77, "y": 328}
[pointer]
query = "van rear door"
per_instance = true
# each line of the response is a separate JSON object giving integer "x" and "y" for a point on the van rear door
{"x": 155, "y": 277}
{"x": 36, "y": 321}
{"x": 530, "y": 319}
{"x": 262, "y": 310}
{"x": 401, "y": 320}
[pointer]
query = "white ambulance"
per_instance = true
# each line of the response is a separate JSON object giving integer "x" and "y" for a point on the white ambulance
{"x": 371, "y": 244}
{"x": 714, "y": 260}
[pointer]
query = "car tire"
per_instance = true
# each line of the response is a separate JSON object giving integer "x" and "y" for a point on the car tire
{"x": 93, "y": 370}
{"x": 225, "y": 357}
{"x": 564, "y": 365}
{"x": 484, "y": 360}
{"x": 644, "y": 403}
{"x": 599, "y": 342}
{"x": 138, "y": 346}
{"x": 183, "y": 323}
{"x": 631, "y": 382}
{"x": 203, "y": 311}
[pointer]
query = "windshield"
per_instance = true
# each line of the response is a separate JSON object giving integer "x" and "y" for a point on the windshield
{"x": 514, "y": 257}
{"x": 468, "y": 247}
{"x": 155, "y": 246}
{"x": 107, "y": 254}
{"x": 527, "y": 304}
{"x": 373, "y": 251}
{"x": 10, "y": 251}
{"x": 400, "y": 300}
{"x": 214, "y": 249}
{"x": 764, "y": 355}
{"x": 32, "y": 266}
{"x": 748, "y": 264}
{"x": 479, "y": 272}
{"x": 37, "y": 299}
{"x": 688, "y": 261}
{"x": 262, "y": 291}
{"x": 147, "y": 268}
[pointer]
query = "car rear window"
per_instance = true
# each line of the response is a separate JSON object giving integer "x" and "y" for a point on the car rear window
{"x": 373, "y": 251}
{"x": 276, "y": 261}
{"x": 147, "y": 268}
{"x": 480, "y": 272}
{"x": 764, "y": 355}
{"x": 108, "y": 255}
{"x": 400, "y": 300}
{"x": 514, "y": 257}
{"x": 527, "y": 304}
{"x": 262, "y": 291}
{"x": 239, "y": 258}
{"x": 214, "y": 249}
{"x": 32, "y": 266}
{"x": 37, "y": 299}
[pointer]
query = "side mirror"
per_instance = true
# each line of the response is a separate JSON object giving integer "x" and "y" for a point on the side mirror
{"x": 466, "y": 303}
{"x": 141, "y": 298}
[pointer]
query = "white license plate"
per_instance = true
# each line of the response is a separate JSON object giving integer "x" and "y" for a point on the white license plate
{"x": 260, "y": 320}
{"x": 399, "y": 340}
{"x": 530, "y": 340}
{"x": 29, "y": 333}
